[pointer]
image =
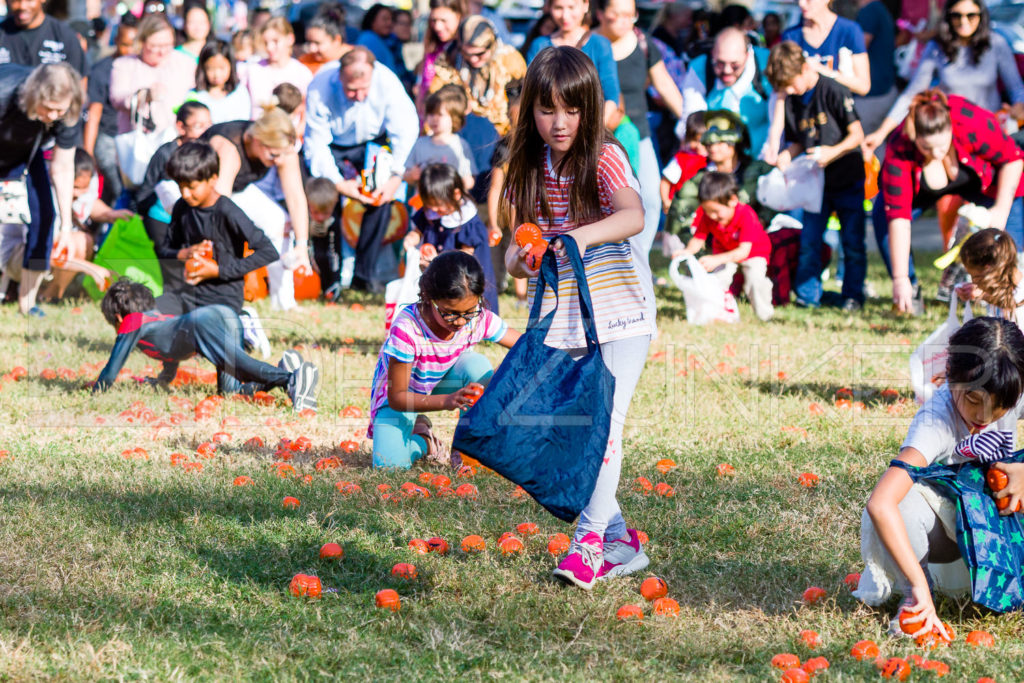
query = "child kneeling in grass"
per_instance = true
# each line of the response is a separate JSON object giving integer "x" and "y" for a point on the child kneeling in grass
{"x": 426, "y": 362}
{"x": 213, "y": 332}
{"x": 908, "y": 529}
{"x": 737, "y": 241}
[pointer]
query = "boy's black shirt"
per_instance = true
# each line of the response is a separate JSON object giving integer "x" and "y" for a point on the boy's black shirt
{"x": 823, "y": 121}
{"x": 229, "y": 229}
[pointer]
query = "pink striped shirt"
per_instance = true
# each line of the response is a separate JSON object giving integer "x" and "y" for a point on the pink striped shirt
{"x": 619, "y": 276}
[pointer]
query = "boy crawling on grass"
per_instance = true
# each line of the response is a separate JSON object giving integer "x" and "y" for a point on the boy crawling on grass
{"x": 213, "y": 332}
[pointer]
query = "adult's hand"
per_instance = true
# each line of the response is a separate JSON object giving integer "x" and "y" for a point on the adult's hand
{"x": 387, "y": 193}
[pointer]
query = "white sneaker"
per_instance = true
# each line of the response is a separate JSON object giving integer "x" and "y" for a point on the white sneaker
{"x": 252, "y": 331}
{"x": 622, "y": 557}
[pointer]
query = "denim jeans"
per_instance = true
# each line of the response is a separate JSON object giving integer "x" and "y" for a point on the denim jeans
{"x": 848, "y": 205}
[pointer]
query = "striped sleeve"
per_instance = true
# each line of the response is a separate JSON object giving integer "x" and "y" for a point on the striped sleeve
{"x": 614, "y": 173}
{"x": 400, "y": 344}
{"x": 493, "y": 327}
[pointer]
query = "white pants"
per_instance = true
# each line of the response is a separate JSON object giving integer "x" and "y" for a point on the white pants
{"x": 930, "y": 521}
{"x": 273, "y": 221}
{"x": 649, "y": 176}
{"x": 756, "y": 285}
{"x": 625, "y": 359}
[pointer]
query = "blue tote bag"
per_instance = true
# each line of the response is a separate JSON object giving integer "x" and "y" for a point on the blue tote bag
{"x": 543, "y": 421}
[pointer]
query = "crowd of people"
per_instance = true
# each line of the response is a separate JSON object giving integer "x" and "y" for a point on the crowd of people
{"x": 321, "y": 148}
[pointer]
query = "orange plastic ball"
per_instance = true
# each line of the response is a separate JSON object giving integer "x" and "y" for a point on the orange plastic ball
{"x": 303, "y": 585}
{"x": 864, "y": 650}
{"x": 664, "y": 490}
{"x": 473, "y": 544}
{"x": 469, "y": 491}
{"x": 527, "y": 528}
{"x": 813, "y": 595}
{"x": 852, "y": 580}
{"x": 438, "y": 545}
{"x": 666, "y": 607}
{"x": 810, "y": 638}
{"x": 331, "y": 551}
{"x": 404, "y": 570}
{"x": 996, "y": 479}
{"x": 896, "y": 667}
{"x": 243, "y": 481}
{"x": 527, "y": 236}
{"x": 511, "y": 546}
{"x": 643, "y": 485}
{"x": 290, "y": 502}
{"x": 795, "y": 675}
{"x": 808, "y": 480}
{"x": 981, "y": 639}
{"x": 653, "y": 588}
{"x": 814, "y": 665}
{"x": 388, "y": 599}
{"x": 724, "y": 469}
{"x": 558, "y": 544}
{"x": 630, "y": 613}
{"x": 785, "y": 661}
{"x": 419, "y": 546}
{"x": 665, "y": 465}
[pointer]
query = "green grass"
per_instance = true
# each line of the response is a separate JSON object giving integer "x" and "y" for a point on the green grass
{"x": 122, "y": 569}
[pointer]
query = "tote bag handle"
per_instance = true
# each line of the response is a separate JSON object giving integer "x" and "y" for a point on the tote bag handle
{"x": 548, "y": 277}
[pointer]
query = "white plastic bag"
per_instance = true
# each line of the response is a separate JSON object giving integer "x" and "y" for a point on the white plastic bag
{"x": 928, "y": 362}
{"x": 801, "y": 186}
{"x": 706, "y": 299}
{"x": 404, "y": 291}
{"x": 136, "y": 147}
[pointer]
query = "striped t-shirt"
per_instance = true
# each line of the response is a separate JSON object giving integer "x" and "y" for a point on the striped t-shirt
{"x": 410, "y": 341}
{"x": 617, "y": 272}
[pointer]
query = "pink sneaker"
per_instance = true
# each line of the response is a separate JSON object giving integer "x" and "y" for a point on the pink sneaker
{"x": 583, "y": 563}
{"x": 624, "y": 557}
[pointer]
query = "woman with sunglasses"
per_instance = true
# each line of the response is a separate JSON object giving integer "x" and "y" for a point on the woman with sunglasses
{"x": 482, "y": 65}
{"x": 966, "y": 59}
{"x": 260, "y": 170}
{"x": 427, "y": 364}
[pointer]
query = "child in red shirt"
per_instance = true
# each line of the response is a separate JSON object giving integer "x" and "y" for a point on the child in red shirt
{"x": 691, "y": 157}
{"x": 737, "y": 241}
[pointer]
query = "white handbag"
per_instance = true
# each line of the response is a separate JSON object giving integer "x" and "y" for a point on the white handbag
{"x": 928, "y": 362}
{"x": 14, "y": 193}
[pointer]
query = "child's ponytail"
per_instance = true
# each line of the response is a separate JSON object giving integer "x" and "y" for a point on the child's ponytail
{"x": 993, "y": 254}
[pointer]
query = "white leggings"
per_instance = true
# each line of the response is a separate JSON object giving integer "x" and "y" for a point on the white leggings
{"x": 938, "y": 554}
{"x": 625, "y": 359}
{"x": 272, "y": 220}
{"x": 649, "y": 176}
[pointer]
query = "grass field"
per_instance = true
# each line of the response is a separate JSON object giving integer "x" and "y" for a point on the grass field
{"x": 115, "y": 568}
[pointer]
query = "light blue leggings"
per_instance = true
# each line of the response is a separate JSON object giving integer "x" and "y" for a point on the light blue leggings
{"x": 394, "y": 444}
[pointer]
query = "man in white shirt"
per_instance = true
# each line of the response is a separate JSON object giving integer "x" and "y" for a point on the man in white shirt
{"x": 346, "y": 107}
{"x": 739, "y": 86}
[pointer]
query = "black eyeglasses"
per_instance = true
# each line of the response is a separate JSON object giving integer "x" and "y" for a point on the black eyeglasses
{"x": 450, "y": 317}
{"x": 964, "y": 16}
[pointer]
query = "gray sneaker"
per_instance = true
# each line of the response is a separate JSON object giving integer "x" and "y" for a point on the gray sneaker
{"x": 623, "y": 557}
{"x": 303, "y": 385}
{"x": 290, "y": 360}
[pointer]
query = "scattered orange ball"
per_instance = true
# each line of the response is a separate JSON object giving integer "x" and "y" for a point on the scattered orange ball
{"x": 852, "y": 580}
{"x": 418, "y": 545}
{"x": 814, "y": 665}
{"x": 332, "y": 551}
{"x": 643, "y": 485}
{"x": 666, "y": 607}
{"x": 304, "y": 585}
{"x": 810, "y": 638}
{"x": 511, "y": 546}
{"x": 437, "y": 545}
{"x": 940, "y": 669}
{"x": 630, "y": 613}
{"x": 404, "y": 570}
{"x": 813, "y": 595}
{"x": 980, "y": 639}
{"x": 864, "y": 650}
{"x": 896, "y": 667}
{"x": 290, "y": 502}
{"x": 527, "y": 528}
{"x": 664, "y": 490}
{"x": 243, "y": 481}
{"x": 388, "y": 599}
{"x": 795, "y": 675}
{"x": 653, "y": 588}
{"x": 724, "y": 469}
{"x": 665, "y": 465}
{"x": 558, "y": 544}
{"x": 473, "y": 544}
{"x": 808, "y": 480}
{"x": 469, "y": 491}
{"x": 785, "y": 661}
{"x": 440, "y": 481}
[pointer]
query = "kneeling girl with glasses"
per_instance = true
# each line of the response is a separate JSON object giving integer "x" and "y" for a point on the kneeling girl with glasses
{"x": 427, "y": 362}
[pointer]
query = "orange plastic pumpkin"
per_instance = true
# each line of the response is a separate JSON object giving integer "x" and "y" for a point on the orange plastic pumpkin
{"x": 643, "y": 485}
{"x": 653, "y": 588}
{"x": 665, "y": 465}
{"x": 444, "y": 492}
{"x": 864, "y": 650}
{"x": 467, "y": 491}
{"x": 388, "y": 598}
{"x": 813, "y": 595}
{"x": 331, "y": 551}
{"x": 808, "y": 480}
{"x": 940, "y": 669}
{"x": 896, "y": 667}
{"x": 192, "y": 466}
{"x": 307, "y": 284}
{"x": 527, "y": 528}
{"x": 254, "y": 442}
{"x": 511, "y": 546}
{"x": 558, "y": 544}
{"x": 439, "y": 480}
{"x": 475, "y": 390}
{"x": 871, "y": 170}
{"x": 981, "y": 639}
{"x": 630, "y": 613}
{"x": 785, "y": 661}
{"x": 243, "y": 481}
{"x": 664, "y": 490}
{"x": 852, "y": 580}
{"x": 810, "y": 638}
{"x": 290, "y": 502}
{"x": 304, "y": 585}
{"x": 795, "y": 675}
{"x": 814, "y": 665}
{"x": 404, "y": 570}
{"x": 419, "y": 546}
{"x": 473, "y": 544}
{"x": 437, "y": 545}
{"x": 934, "y": 638}
{"x": 666, "y": 607}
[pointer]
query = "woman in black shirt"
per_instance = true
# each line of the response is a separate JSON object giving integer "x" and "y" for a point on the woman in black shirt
{"x": 36, "y": 106}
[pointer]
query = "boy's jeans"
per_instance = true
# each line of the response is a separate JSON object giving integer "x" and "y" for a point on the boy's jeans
{"x": 848, "y": 206}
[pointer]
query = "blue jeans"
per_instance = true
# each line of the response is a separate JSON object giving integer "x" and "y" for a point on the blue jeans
{"x": 394, "y": 444}
{"x": 217, "y": 336}
{"x": 849, "y": 207}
